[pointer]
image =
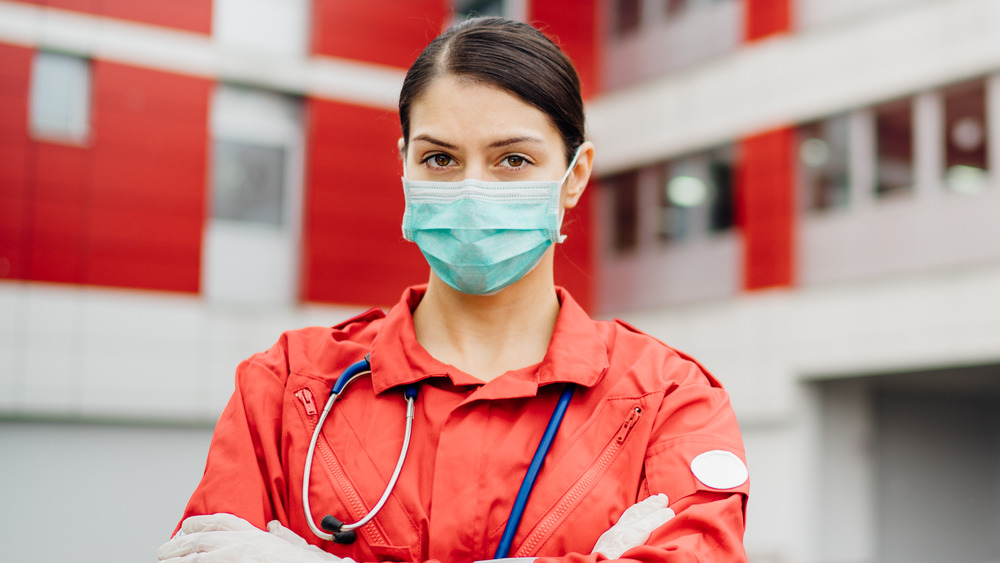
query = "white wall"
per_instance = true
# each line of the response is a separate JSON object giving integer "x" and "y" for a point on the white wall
{"x": 81, "y": 351}
{"x": 810, "y": 14}
{"x": 847, "y": 472}
{"x": 94, "y": 492}
{"x": 702, "y": 31}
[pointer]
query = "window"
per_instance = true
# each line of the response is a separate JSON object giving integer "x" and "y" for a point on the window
{"x": 965, "y": 137}
{"x": 248, "y": 182}
{"x": 673, "y": 9}
{"x": 256, "y": 201}
{"x": 472, "y": 8}
{"x": 697, "y": 195}
{"x": 625, "y": 189}
{"x": 60, "y": 98}
{"x": 823, "y": 163}
{"x": 627, "y": 15}
{"x": 894, "y": 147}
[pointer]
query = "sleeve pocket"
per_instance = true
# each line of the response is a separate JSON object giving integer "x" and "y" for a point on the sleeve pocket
{"x": 684, "y": 468}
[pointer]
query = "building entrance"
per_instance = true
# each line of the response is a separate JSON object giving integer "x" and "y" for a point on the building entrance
{"x": 911, "y": 467}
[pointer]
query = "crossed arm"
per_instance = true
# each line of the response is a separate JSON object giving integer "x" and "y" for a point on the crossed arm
{"x": 224, "y": 538}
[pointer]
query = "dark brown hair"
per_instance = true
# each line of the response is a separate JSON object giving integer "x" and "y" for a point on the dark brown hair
{"x": 509, "y": 55}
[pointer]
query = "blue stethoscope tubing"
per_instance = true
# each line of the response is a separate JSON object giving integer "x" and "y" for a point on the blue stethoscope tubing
{"x": 344, "y": 533}
{"x": 503, "y": 549}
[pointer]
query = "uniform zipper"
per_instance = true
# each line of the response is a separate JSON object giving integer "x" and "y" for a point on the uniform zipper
{"x": 354, "y": 502}
{"x": 527, "y": 547}
{"x": 306, "y": 396}
{"x": 628, "y": 425}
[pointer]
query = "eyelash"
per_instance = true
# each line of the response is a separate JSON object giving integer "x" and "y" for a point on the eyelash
{"x": 524, "y": 160}
{"x": 429, "y": 161}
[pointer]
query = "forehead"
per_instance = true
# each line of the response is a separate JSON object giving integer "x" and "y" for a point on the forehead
{"x": 468, "y": 112}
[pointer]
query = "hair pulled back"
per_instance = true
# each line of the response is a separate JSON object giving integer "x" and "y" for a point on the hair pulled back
{"x": 507, "y": 54}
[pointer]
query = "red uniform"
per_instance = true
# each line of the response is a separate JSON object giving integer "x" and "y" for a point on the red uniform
{"x": 642, "y": 413}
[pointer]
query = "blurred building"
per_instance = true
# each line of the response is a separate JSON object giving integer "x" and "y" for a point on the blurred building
{"x": 801, "y": 193}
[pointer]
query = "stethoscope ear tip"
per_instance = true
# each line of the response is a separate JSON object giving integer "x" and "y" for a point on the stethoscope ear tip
{"x": 332, "y": 525}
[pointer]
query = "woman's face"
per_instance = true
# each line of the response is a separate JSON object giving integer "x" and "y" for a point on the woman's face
{"x": 461, "y": 129}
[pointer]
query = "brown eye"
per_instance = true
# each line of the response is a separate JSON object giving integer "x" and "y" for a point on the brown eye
{"x": 515, "y": 161}
{"x": 441, "y": 160}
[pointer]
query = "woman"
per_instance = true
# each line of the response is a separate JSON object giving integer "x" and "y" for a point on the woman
{"x": 493, "y": 154}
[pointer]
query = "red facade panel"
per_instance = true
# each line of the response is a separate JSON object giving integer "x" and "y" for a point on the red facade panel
{"x": 573, "y": 25}
{"x": 766, "y": 17}
{"x": 147, "y": 205}
{"x": 136, "y": 248}
{"x": 128, "y": 209}
{"x": 766, "y": 212}
{"x": 188, "y": 15}
{"x": 574, "y": 259}
{"x": 13, "y": 204}
{"x": 88, "y": 6}
{"x": 386, "y": 32}
{"x": 353, "y": 247}
{"x": 57, "y": 219}
{"x": 15, "y": 70}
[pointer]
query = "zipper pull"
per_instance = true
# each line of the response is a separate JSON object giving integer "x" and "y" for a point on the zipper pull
{"x": 629, "y": 424}
{"x": 306, "y": 396}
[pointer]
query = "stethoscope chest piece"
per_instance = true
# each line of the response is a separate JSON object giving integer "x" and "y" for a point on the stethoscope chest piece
{"x": 335, "y": 527}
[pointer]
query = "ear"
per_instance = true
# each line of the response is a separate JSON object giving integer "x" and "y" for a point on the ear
{"x": 399, "y": 145}
{"x": 579, "y": 177}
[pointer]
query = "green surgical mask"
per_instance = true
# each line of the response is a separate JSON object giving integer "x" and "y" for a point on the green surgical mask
{"x": 479, "y": 237}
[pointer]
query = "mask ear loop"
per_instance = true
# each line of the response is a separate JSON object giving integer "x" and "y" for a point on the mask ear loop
{"x": 562, "y": 212}
{"x": 569, "y": 169}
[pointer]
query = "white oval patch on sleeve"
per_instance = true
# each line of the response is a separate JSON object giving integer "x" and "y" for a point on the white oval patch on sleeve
{"x": 720, "y": 469}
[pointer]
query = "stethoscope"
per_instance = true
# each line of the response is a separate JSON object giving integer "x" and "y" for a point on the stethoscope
{"x": 340, "y": 532}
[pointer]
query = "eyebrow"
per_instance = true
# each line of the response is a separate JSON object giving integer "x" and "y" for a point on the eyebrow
{"x": 514, "y": 141}
{"x": 494, "y": 145}
{"x": 433, "y": 141}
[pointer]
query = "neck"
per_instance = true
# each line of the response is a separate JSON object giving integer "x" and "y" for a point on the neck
{"x": 486, "y": 336}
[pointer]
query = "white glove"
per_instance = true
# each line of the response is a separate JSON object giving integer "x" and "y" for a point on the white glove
{"x": 634, "y": 527}
{"x": 224, "y": 538}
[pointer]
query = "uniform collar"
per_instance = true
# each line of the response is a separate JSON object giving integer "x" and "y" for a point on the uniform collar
{"x": 576, "y": 354}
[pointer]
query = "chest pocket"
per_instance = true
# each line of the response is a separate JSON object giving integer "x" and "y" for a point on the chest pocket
{"x": 589, "y": 484}
{"x": 333, "y": 488}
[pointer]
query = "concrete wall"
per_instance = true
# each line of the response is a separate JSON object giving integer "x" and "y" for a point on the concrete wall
{"x": 94, "y": 492}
